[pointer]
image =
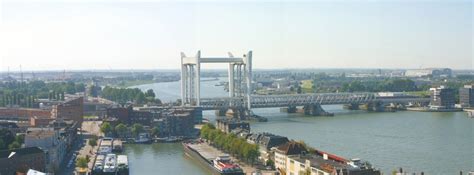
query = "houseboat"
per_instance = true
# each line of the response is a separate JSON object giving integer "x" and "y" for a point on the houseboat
{"x": 122, "y": 165}
{"x": 110, "y": 164}
{"x": 212, "y": 159}
{"x": 98, "y": 165}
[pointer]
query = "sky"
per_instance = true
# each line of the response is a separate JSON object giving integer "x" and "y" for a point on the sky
{"x": 150, "y": 34}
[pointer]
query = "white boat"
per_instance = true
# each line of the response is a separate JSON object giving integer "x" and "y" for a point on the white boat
{"x": 470, "y": 113}
{"x": 99, "y": 163}
{"x": 104, "y": 150}
{"x": 110, "y": 163}
{"x": 143, "y": 138}
{"x": 122, "y": 164}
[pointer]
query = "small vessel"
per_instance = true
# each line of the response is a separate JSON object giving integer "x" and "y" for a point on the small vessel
{"x": 122, "y": 165}
{"x": 117, "y": 145}
{"x": 224, "y": 164}
{"x": 470, "y": 113}
{"x": 220, "y": 84}
{"x": 173, "y": 139}
{"x": 143, "y": 138}
{"x": 98, "y": 165}
{"x": 110, "y": 163}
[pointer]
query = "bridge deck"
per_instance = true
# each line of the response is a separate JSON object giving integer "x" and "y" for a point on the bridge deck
{"x": 268, "y": 101}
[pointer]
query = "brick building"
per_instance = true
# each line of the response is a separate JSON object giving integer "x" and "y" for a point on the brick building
{"x": 37, "y": 121}
{"x": 21, "y": 160}
{"x": 22, "y": 113}
{"x": 71, "y": 109}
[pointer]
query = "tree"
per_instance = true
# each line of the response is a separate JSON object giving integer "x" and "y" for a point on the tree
{"x": 121, "y": 130}
{"x": 155, "y": 131}
{"x": 137, "y": 128}
{"x": 2, "y": 145}
{"x": 6, "y": 137}
{"x": 270, "y": 163}
{"x": 93, "y": 142}
{"x": 298, "y": 90}
{"x": 14, "y": 145}
{"x": 81, "y": 162}
{"x": 150, "y": 93}
{"x": 106, "y": 128}
{"x": 139, "y": 98}
{"x": 20, "y": 139}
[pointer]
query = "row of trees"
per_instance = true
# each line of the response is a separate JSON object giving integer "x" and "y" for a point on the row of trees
{"x": 17, "y": 99}
{"x": 9, "y": 141}
{"x": 230, "y": 143}
{"x": 121, "y": 130}
{"x": 24, "y": 94}
{"x": 124, "y": 95}
{"x": 392, "y": 85}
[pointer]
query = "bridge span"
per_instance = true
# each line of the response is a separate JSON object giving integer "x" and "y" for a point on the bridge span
{"x": 241, "y": 95}
{"x": 271, "y": 101}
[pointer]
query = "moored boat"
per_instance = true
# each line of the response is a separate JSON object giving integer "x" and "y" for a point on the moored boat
{"x": 206, "y": 156}
{"x": 110, "y": 164}
{"x": 122, "y": 165}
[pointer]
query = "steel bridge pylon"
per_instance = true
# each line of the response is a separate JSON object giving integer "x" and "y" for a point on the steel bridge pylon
{"x": 240, "y": 77}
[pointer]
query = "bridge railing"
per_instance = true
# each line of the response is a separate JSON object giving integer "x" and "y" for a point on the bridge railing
{"x": 265, "y": 101}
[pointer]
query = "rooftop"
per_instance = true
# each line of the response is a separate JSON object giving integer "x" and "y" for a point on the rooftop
{"x": 291, "y": 148}
{"x": 19, "y": 152}
{"x": 40, "y": 133}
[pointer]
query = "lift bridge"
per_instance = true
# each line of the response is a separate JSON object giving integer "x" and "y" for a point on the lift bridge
{"x": 240, "y": 89}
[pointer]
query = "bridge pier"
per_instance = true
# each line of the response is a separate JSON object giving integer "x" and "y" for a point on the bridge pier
{"x": 221, "y": 112}
{"x": 289, "y": 109}
{"x": 374, "y": 106}
{"x": 352, "y": 106}
{"x": 315, "y": 110}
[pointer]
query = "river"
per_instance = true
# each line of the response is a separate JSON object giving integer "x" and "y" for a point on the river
{"x": 435, "y": 143}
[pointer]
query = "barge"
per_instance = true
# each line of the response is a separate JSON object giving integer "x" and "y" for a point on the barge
{"x": 212, "y": 159}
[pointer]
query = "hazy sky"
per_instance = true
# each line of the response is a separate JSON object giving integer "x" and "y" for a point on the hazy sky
{"x": 110, "y": 34}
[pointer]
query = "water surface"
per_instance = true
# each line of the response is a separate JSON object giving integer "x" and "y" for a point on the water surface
{"x": 436, "y": 143}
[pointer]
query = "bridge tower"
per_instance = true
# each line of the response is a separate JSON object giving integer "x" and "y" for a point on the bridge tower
{"x": 239, "y": 74}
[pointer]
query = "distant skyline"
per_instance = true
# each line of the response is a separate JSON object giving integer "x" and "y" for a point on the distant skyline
{"x": 108, "y": 35}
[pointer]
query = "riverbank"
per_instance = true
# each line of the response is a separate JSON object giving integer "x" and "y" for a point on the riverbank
{"x": 411, "y": 140}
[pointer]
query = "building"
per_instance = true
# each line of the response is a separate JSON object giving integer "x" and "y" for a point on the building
{"x": 176, "y": 124}
{"x": 265, "y": 142}
{"x": 72, "y": 109}
{"x": 12, "y": 127}
{"x": 227, "y": 125}
{"x": 327, "y": 164}
{"x": 40, "y": 121}
{"x": 22, "y": 113}
{"x": 282, "y": 152}
{"x": 119, "y": 113}
{"x": 429, "y": 72}
{"x": 21, "y": 160}
{"x": 196, "y": 112}
{"x": 466, "y": 96}
{"x": 130, "y": 116}
{"x": 442, "y": 98}
{"x": 51, "y": 142}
